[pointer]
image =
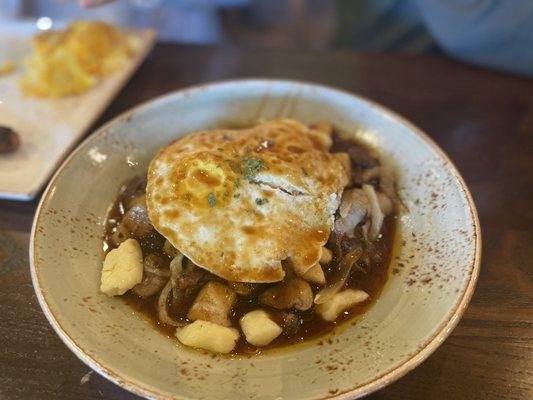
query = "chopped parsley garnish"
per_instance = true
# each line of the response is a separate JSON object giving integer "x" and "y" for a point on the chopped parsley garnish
{"x": 236, "y": 195}
{"x": 304, "y": 171}
{"x": 260, "y": 202}
{"x": 211, "y": 199}
{"x": 220, "y": 149}
{"x": 251, "y": 167}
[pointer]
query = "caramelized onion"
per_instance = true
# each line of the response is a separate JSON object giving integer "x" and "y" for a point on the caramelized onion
{"x": 376, "y": 215}
{"x": 343, "y": 271}
{"x": 176, "y": 268}
{"x": 154, "y": 264}
{"x": 352, "y": 211}
{"x": 162, "y": 307}
{"x": 387, "y": 184}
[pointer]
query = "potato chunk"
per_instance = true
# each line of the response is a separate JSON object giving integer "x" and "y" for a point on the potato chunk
{"x": 315, "y": 275}
{"x": 258, "y": 328}
{"x": 340, "y": 302}
{"x": 123, "y": 268}
{"x": 208, "y": 336}
{"x": 213, "y": 304}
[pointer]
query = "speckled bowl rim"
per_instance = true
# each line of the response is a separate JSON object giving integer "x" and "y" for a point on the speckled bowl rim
{"x": 140, "y": 388}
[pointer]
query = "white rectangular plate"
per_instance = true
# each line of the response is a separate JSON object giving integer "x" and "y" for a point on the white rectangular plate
{"x": 48, "y": 128}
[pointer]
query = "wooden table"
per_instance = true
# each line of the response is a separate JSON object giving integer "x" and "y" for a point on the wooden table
{"x": 482, "y": 119}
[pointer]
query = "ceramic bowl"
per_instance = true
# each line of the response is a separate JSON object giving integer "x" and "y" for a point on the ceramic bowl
{"x": 433, "y": 272}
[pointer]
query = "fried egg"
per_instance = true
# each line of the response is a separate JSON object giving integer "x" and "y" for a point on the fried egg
{"x": 240, "y": 202}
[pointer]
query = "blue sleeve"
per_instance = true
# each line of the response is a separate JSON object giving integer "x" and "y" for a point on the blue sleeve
{"x": 492, "y": 33}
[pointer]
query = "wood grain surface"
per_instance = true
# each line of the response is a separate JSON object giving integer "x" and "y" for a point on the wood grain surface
{"x": 482, "y": 119}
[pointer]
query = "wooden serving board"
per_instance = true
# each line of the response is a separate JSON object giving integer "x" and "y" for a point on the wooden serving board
{"x": 48, "y": 127}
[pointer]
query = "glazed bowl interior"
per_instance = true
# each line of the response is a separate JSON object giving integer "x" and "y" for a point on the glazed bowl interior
{"x": 433, "y": 272}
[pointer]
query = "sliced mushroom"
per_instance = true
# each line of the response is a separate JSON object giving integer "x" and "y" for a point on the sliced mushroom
{"x": 291, "y": 324}
{"x": 138, "y": 200}
{"x": 132, "y": 189}
{"x": 152, "y": 242}
{"x": 342, "y": 301}
{"x": 294, "y": 293}
{"x": 213, "y": 303}
{"x": 150, "y": 285}
{"x": 121, "y": 234}
{"x": 136, "y": 220}
{"x": 155, "y": 275}
{"x": 342, "y": 244}
{"x": 191, "y": 277}
{"x": 370, "y": 175}
{"x": 244, "y": 288}
{"x": 156, "y": 265}
{"x": 362, "y": 157}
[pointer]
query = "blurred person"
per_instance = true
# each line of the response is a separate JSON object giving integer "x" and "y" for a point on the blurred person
{"x": 492, "y": 33}
{"x": 193, "y": 21}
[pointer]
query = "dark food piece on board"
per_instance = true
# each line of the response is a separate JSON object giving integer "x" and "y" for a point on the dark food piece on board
{"x": 9, "y": 140}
